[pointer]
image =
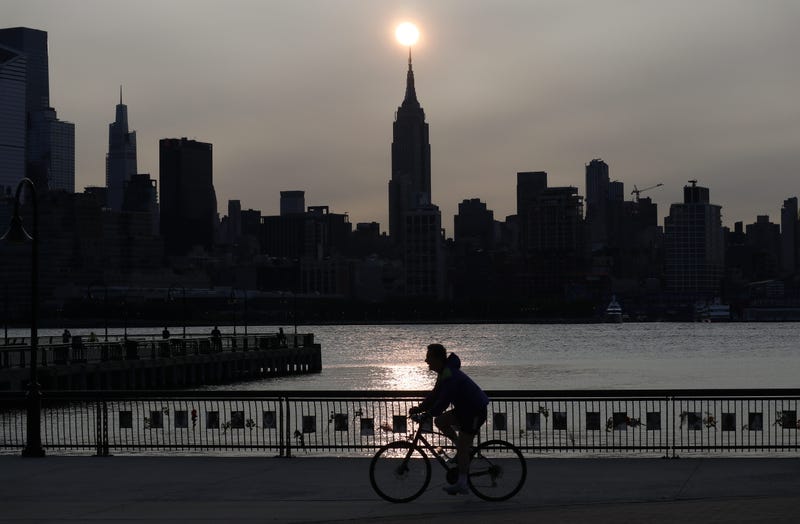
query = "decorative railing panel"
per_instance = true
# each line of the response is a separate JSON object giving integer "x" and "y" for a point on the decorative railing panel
{"x": 652, "y": 422}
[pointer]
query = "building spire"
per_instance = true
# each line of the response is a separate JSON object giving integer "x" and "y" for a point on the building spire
{"x": 120, "y": 95}
{"x": 411, "y": 92}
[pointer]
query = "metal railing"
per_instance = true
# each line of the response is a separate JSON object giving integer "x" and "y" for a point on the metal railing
{"x": 648, "y": 422}
{"x": 136, "y": 348}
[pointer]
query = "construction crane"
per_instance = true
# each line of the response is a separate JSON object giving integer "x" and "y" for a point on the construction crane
{"x": 636, "y": 191}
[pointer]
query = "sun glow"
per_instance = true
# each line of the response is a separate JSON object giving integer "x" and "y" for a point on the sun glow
{"x": 407, "y": 34}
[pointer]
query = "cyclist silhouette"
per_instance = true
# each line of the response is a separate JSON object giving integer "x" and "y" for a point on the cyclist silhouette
{"x": 453, "y": 386}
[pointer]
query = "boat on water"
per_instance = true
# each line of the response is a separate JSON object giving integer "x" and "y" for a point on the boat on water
{"x": 613, "y": 311}
{"x": 714, "y": 311}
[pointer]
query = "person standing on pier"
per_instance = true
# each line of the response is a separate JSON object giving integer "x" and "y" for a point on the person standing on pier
{"x": 216, "y": 338}
{"x": 165, "y": 333}
{"x": 453, "y": 386}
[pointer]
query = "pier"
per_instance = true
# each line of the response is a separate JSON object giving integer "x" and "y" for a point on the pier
{"x": 137, "y": 363}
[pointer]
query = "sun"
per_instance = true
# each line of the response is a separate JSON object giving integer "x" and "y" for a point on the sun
{"x": 407, "y": 34}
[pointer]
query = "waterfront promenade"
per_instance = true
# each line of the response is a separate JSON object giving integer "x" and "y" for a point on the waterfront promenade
{"x": 314, "y": 489}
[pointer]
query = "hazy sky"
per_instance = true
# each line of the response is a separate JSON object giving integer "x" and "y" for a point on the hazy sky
{"x": 301, "y": 94}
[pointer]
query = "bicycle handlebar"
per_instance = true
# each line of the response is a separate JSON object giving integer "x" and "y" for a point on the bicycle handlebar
{"x": 419, "y": 418}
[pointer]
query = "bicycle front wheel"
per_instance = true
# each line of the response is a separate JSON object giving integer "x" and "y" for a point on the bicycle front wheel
{"x": 400, "y": 472}
{"x": 497, "y": 470}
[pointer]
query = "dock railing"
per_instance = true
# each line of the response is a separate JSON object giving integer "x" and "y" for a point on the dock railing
{"x": 52, "y": 351}
{"x": 667, "y": 423}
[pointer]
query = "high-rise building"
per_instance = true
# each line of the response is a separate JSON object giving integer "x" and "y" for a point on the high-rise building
{"x": 789, "y": 235}
{"x": 694, "y": 251}
{"x": 474, "y": 226}
{"x": 33, "y": 43}
{"x": 410, "y": 186}
{"x": 293, "y": 202}
{"x": 764, "y": 239}
{"x": 49, "y": 142}
{"x": 235, "y": 218}
{"x": 423, "y": 253}
{"x": 597, "y": 196}
{"x": 188, "y": 199}
{"x": 121, "y": 156}
{"x": 554, "y": 242}
{"x": 141, "y": 196}
{"x": 529, "y": 185}
{"x": 315, "y": 234}
{"x": 616, "y": 191}
{"x": 13, "y": 69}
{"x": 414, "y": 221}
{"x": 52, "y": 145}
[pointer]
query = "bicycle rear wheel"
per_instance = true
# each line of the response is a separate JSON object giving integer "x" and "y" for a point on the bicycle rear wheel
{"x": 497, "y": 470}
{"x": 400, "y": 472}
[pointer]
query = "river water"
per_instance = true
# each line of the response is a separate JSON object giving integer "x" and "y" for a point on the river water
{"x": 562, "y": 356}
{"x": 546, "y": 356}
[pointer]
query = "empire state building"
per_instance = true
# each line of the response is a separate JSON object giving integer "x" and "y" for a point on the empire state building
{"x": 410, "y": 186}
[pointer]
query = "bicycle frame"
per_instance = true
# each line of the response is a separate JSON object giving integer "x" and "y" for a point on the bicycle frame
{"x": 418, "y": 437}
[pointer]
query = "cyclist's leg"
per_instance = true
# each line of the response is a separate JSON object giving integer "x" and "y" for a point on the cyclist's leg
{"x": 463, "y": 447}
{"x": 469, "y": 425}
{"x": 445, "y": 423}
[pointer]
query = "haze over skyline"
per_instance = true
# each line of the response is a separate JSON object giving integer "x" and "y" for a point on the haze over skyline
{"x": 302, "y": 95}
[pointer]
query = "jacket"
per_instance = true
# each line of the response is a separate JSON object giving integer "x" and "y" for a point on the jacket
{"x": 453, "y": 386}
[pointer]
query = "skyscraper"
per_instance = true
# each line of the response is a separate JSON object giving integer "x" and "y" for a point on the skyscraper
{"x": 141, "y": 196}
{"x": 694, "y": 258}
{"x": 188, "y": 199}
{"x": 414, "y": 221}
{"x": 410, "y": 186}
{"x": 121, "y": 156}
{"x": 49, "y": 142}
{"x": 789, "y": 234}
{"x": 13, "y": 68}
{"x": 597, "y": 196}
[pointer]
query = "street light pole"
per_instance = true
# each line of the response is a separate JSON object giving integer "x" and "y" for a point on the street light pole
{"x": 244, "y": 291}
{"x": 17, "y": 234}
{"x": 105, "y": 306}
{"x": 105, "y": 311}
{"x": 183, "y": 300}
{"x": 5, "y": 314}
{"x": 232, "y": 301}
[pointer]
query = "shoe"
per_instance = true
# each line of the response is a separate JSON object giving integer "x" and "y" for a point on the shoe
{"x": 456, "y": 489}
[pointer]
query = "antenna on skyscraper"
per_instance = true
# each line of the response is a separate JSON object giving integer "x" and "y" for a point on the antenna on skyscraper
{"x": 120, "y": 95}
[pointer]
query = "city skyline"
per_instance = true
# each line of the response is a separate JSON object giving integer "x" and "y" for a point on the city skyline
{"x": 663, "y": 94}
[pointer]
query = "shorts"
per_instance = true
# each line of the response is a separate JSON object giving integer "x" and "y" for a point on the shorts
{"x": 471, "y": 422}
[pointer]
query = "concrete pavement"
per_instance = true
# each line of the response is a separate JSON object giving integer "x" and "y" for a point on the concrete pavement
{"x": 316, "y": 489}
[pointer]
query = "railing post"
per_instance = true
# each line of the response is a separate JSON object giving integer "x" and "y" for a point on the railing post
{"x": 672, "y": 426}
{"x": 105, "y": 428}
{"x": 288, "y": 434}
{"x": 98, "y": 432}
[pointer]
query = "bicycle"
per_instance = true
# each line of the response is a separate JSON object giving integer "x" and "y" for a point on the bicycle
{"x": 401, "y": 470}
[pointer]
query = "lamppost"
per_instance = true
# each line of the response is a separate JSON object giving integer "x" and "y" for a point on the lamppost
{"x": 183, "y": 299}
{"x": 5, "y": 314}
{"x": 285, "y": 302}
{"x": 244, "y": 291}
{"x": 105, "y": 305}
{"x": 125, "y": 309}
{"x": 17, "y": 234}
{"x": 232, "y": 302}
